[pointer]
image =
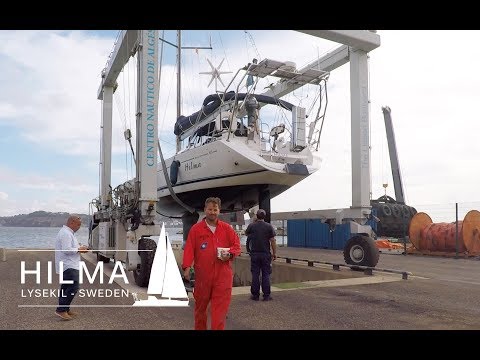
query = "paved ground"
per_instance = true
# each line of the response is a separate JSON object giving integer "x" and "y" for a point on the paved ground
{"x": 443, "y": 293}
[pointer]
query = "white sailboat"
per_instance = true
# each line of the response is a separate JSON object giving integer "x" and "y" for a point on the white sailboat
{"x": 233, "y": 152}
{"x": 165, "y": 278}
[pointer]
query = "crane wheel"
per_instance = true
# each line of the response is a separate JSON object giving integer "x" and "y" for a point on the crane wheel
{"x": 142, "y": 273}
{"x": 361, "y": 250}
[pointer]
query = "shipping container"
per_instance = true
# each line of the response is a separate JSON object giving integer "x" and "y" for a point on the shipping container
{"x": 296, "y": 233}
{"x": 372, "y": 222}
{"x": 318, "y": 234}
{"x": 340, "y": 236}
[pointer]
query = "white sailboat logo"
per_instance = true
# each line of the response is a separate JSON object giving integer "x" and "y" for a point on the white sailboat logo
{"x": 165, "y": 278}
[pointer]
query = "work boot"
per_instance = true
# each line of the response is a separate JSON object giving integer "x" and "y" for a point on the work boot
{"x": 267, "y": 298}
{"x": 72, "y": 313}
{"x": 63, "y": 314}
{"x": 255, "y": 298}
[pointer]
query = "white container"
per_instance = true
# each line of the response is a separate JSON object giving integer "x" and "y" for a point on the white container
{"x": 222, "y": 251}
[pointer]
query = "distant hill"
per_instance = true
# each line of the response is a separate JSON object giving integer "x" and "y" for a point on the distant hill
{"x": 57, "y": 219}
{"x": 40, "y": 219}
{"x": 49, "y": 219}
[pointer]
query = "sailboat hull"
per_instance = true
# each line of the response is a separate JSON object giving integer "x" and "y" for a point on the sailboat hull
{"x": 231, "y": 170}
{"x": 234, "y": 198}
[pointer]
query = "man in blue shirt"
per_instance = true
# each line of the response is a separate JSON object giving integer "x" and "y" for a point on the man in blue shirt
{"x": 260, "y": 238}
{"x": 67, "y": 260}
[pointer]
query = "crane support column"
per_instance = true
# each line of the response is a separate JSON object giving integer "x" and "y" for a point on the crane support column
{"x": 124, "y": 48}
{"x": 360, "y": 133}
{"x": 147, "y": 124}
{"x": 106, "y": 148}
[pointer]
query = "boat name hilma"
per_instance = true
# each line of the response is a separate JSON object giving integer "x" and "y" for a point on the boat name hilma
{"x": 191, "y": 165}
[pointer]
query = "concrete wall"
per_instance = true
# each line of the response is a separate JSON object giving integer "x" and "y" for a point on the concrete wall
{"x": 284, "y": 273}
{"x": 281, "y": 271}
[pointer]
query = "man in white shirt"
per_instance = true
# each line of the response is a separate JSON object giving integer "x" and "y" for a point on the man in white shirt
{"x": 67, "y": 260}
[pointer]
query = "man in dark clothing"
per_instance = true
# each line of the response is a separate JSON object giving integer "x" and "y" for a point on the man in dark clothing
{"x": 260, "y": 238}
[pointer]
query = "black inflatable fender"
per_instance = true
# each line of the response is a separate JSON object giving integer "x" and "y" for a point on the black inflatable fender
{"x": 174, "y": 167}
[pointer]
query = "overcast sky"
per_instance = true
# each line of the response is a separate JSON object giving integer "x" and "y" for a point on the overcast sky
{"x": 50, "y": 117}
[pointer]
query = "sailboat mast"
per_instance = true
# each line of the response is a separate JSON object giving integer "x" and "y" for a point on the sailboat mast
{"x": 179, "y": 79}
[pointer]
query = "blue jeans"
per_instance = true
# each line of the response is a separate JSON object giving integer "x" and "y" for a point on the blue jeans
{"x": 68, "y": 291}
{"x": 260, "y": 262}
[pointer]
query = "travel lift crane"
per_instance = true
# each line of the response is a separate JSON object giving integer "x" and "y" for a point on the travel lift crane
{"x": 122, "y": 227}
{"x": 360, "y": 249}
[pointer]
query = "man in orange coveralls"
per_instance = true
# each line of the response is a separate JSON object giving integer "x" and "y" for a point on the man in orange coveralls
{"x": 213, "y": 270}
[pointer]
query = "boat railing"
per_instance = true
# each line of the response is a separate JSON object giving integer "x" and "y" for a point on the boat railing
{"x": 202, "y": 140}
{"x": 235, "y": 104}
{"x": 236, "y": 108}
{"x": 192, "y": 131}
{"x": 264, "y": 137}
{"x": 230, "y": 83}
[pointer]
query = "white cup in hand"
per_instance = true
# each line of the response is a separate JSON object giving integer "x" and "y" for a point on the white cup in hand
{"x": 221, "y": 252}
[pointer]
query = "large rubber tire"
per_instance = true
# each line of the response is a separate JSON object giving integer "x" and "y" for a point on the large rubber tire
{"x": 413, "y": 211}
{"x": 396, "y": 211}
{"x": 405, "y": 211}
{"x": 105, "y": 259}
{"x": 361, "y": 250}
{"x": 142, "y": 273}
{"x": 386, "y": 210}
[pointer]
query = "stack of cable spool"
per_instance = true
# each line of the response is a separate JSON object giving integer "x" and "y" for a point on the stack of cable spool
{"x": 426, "y": 235}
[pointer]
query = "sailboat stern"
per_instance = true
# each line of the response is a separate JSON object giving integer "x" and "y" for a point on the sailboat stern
{"x": 233, "y": 171}
{"x": 297, "y": 169}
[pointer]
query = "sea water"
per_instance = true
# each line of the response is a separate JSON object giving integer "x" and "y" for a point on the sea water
{"x": 44, "y": 237}
{"x": 34, "y": 237}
